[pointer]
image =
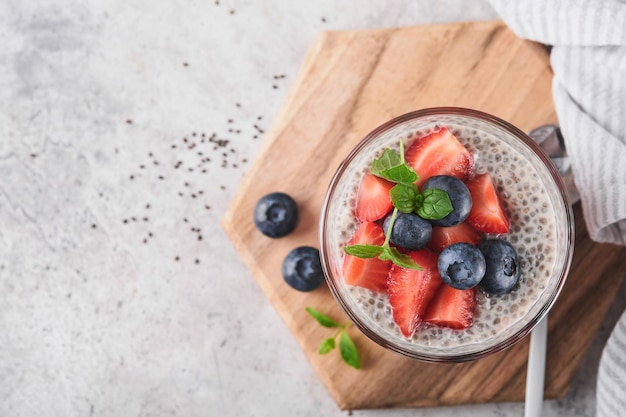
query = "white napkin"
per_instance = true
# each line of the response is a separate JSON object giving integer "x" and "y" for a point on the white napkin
{"x": 588, "y": 57}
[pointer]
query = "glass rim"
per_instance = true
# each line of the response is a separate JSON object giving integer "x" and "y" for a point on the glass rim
{"x": 561, "y": 270}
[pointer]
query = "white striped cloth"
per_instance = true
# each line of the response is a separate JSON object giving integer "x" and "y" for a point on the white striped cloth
{"x": 588, "y": 57}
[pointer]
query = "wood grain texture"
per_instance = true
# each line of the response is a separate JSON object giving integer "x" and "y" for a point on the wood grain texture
{"x": 349, "y": 83}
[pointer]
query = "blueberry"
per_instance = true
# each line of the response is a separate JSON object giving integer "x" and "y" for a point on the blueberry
{"x": 276, "y": 215}
{"x": 459, "y": 197}
{"x": 502, "y": 266}
{"x": 461, "y": 266}
{"x": 302, "y": 268}
{"x": 409, "y": 231}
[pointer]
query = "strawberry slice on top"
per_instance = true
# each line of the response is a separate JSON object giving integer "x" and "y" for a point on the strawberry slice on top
{"x": 442, "y": 237}
{"x": 370, "y": 273}
{"x": 439, "y": 153}
{"x": 487, "y": 214}
{"x": 452, "y": 308}
{"x": 373, "y": 201}
{"x": 410, "y": 291}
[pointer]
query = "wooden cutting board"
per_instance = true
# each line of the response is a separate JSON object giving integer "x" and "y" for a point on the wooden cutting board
{"x": 349, "y": 83}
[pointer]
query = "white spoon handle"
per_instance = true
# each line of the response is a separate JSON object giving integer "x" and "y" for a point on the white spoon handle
{"x": 536, "y": 369}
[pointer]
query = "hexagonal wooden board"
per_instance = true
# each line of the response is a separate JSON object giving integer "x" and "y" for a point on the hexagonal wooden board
{"x": 350, "y": 82}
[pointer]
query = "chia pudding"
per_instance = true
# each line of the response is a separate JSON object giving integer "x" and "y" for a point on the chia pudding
{"x": 541, "y": 232}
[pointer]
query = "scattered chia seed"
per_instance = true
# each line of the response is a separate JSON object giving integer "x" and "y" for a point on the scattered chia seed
{"x": 194, "y": 150}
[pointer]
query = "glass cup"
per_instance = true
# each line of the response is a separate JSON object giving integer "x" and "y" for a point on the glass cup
{"x": 535, "y": 199}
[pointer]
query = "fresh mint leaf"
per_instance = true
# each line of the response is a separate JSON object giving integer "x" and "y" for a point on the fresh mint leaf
{"x": 402, "y": 174}
{"x": 398, "y": 258}
{"x": 403, "y": 197}
{"x": 327, "y": 345}
{"x": 321, "y": 318}
{"x": 436, "y": 204}
{"x": 363, "y": 251}
{"x": 388, "y": 159}
{"x": 391, "y": 166}
{"x": 348, "y": 350}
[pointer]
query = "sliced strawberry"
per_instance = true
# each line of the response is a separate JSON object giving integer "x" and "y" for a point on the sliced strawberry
{"x": 370, "y": 273}
{"x": 452, "y": 308}
{"x": 442, "y": 237}
{"x": 373, "y": 200}
{"x": 410, "y": 290}
{"x": 486, "y": 215}
{"x": 439, "y": 153}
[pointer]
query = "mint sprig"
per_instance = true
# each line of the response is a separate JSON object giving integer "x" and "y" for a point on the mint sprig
{"x": 347, "y": 348}
{"x": 431, "y": 204}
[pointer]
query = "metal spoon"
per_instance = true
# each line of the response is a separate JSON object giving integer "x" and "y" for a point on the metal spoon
{"x": 551, "y": 141}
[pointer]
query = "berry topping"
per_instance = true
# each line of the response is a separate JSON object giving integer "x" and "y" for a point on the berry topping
{"x": 302, "y": 269}
{"x": 459, "y": 197}
{"x": 443, "y": 237}
{"x": 439, "y": 153}
{"x": 409, "y": 231}
{"x": 276, "y": 215}
{"x": 461, "y": 266}
{"x": 502, "y": 271}
{"x": 452, "y": 308}
{"x": 411, "y": 290}
{"x": 486, "y": 215}
{"x": 373, "y": 200}
{"x": 370, "y": 273}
